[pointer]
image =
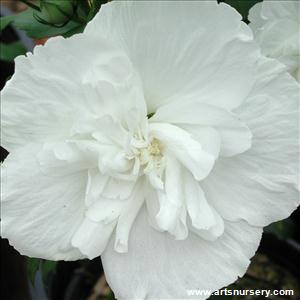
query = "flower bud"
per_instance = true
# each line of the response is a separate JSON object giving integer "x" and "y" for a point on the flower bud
{"x": 56, "y": 11}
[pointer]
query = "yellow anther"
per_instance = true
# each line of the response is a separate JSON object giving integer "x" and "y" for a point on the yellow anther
{"x": 154, "y": 148}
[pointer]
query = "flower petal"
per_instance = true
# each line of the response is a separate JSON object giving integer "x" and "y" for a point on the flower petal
{"x": 187, "y": 150}
{"x": 103, "y": 216}
{"x": 235, "y": 135}
{"x": 276, "y": 29}
{"x": 260, "y": 185}
{"x": 95, "y": 186}
{"x": 281, "y": 9}
{"x": 208, "y": 137}
{"x": 105, "y": 210}
{"x": 159, "y": 267}
{"x": 183, "y": 59}
{"x": 170, "y": 200}
{"x": 40, "y": 212}
{"x": 46, "y": 95}
{"x": 128, "y": 214}
{"x": 117, "y": 188}
{"x": 67, "y": 157}
{"x": 92, "y": 237}
{"x": 205, "y": 221}
{"x": 280, "y": 38}
{"x": 255, "y": 18}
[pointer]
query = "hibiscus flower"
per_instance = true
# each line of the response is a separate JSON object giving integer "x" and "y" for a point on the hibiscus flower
{"x": 160, "y": 138}
{"x": 276, "y": 28}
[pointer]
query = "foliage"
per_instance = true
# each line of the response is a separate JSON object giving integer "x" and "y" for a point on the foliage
{"x": 5, "y": 21}
{"x": 53, "y": 17}
{"x": 34, "y": 264}
{"x": 8, "y": 52}
{"x": 283, "y": 229}
{"x": 48, "y": 18}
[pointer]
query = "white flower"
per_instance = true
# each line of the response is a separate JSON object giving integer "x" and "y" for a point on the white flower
{"x": 276, "y": 28}
{"x": 159, "y": 138}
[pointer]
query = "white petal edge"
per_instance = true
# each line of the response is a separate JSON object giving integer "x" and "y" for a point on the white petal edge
{"x": 234, "y": 133}
{"x": 262, "y": 184}
{"x": 186, "y": 61}
{"x": 40, "y": 212}
{"x": 159, "y": 267}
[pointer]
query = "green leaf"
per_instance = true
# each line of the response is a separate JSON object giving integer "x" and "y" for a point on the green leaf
{"x": 8, "y": 52}
{"x": 27, "y": 22}
{"x": 32, "y": 266}
{"x": 283, "y": 229}
{"x": 35, "y": 29}
{"x": 5, "y": 21}
{"x": 56, "y": 11}
{"x": 48, "y": 267}
{"x": 95, "y": 7}
{"x": 78, "y": 29}
{"x": 110, "y": 296}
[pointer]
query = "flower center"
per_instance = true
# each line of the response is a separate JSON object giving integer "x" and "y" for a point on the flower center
{"x": 152, "y": 152}
{"x": 154, "y": 148}
{"x": 153, "y": 162}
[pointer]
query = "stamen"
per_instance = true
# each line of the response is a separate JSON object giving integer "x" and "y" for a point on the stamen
{"x": 154, "y": 148}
